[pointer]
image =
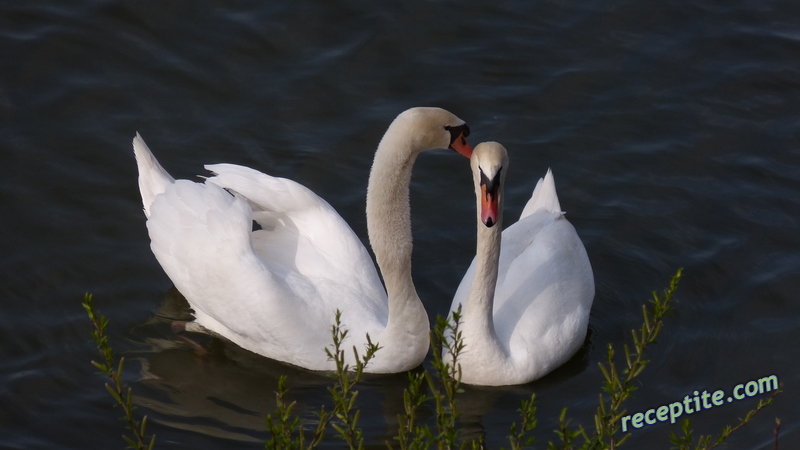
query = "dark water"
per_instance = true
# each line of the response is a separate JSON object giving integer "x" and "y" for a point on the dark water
{"x": 671, "y": 127}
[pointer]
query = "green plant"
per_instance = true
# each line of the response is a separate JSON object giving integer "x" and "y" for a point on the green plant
{"x": 342, "y": 393}
{"x": 618, "y": 385}
{"x": 704, "y": 442}
{"x": 409, "y": 434}
{"x": 445, "y": 381}
{"x": 440, "y": 387}
{"x": 117, "y": 390}
{"x": 520, "y": 435}
{"x": 287, "y": 433}
{"x": 282, "y": 425}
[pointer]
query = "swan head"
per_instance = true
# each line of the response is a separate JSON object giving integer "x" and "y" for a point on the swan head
{"x": 489, "y": 162}
{"x": 429, "y": 128}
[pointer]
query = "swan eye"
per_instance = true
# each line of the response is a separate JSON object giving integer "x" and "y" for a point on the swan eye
{"x": 491, "y": 185}
{"x": 485, "y": 181}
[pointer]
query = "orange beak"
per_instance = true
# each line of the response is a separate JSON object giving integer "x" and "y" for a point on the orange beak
{"x": 461, "y": 145}
{"x": 488, "y": 206}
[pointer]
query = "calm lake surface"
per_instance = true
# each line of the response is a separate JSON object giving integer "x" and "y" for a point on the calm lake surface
{"x": 672, "y": 128}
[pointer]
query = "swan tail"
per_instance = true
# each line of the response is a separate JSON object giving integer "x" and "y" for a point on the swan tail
{"x": 153, "y": 179}
{"x": 544, "y": 197}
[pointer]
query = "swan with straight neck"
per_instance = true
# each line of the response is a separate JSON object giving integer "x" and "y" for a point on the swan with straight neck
{"x": 527, "y": 295}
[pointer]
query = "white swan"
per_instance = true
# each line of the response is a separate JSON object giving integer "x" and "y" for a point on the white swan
{"x": 526, "y": 303}
{"x": 275, "y": 291}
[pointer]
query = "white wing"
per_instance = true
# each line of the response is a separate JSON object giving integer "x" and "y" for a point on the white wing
{"x": 266, "y": 290}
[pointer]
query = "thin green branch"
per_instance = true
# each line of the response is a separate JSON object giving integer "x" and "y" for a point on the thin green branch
{"x": 618, "y": 385}
{"x": 287, "y": 433}
{"x": 117, "y": 390}
{"x": 521, "y": 436}
{"x": 704, "y": 442}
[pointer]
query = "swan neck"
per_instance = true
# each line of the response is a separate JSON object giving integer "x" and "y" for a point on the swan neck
{"x": 389, "y": 214}
{"x": 389, "y": 228}
{"x": 480, "y": 302}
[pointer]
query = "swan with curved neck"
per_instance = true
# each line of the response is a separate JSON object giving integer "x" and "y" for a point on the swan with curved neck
{"x": 526, "y": 297}
{"x": 274, "y": 291}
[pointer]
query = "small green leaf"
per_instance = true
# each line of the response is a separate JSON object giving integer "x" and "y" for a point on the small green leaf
{"x": 114, "y": 394}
